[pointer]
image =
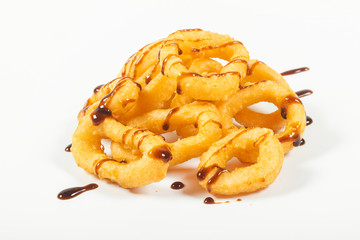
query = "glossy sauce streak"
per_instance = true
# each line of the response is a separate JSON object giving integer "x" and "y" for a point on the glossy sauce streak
{"x": 204, "y": 171}
{"x": 188, "y": 74}
{"x": 304, "y": 93}
{"x": 261, "y": 139}
{"x": 293, "y": 136}
{"x": 127, "y": 101}
{"x": 163, "y": 153}
{"x": 177, "y": 185}
{"x": 308, "y": 120}
{"x": 240, "y": 61}
{"x": 176, "y": 44}
{"x": 167, "y": 119}
{"x": 100, "y": 163}
{"x": 97, "y": 88}
{"x": 165, "y": 61}
{"x": 251, "y": 85}
{"x": 68, "y": 148}
{"x": 215, "y": 177}
{"x": 75, "y": 191}
{"x": 137, "y": 132}
{"x": 253, "y": 66}
{"x": 223, "y": 74}
{"x": 190, "y": 30}
{"x": 143, "y": 55}
{"x": 197, "y": 119}
{"x": 150, "y": 76}
{"x": 124, "y": 135}
{"x": 229, "y": 142}
{"x": 178, "y": 88}
{"x": 129, "y": 61}
{"x": 142, "y": 139}
{"x": 216, "y": 46}
{"x": 294, "y": 71}
{"x": 102, "y": 112}
{"x": 287, "y": 101}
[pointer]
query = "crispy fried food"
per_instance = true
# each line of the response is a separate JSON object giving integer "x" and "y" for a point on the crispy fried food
{"x": 257, "y": 146}
{"x": 204, "y": 44}
{"x": 89, "y": 154}
{"x": 178, "y": 84}
{"x": 203, "y": 116}
{"x": 269, "y": 91}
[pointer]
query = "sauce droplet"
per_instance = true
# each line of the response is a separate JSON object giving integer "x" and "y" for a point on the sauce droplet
{"x": 177, "y": 185}
{"x": 308, "y": 120}
{"x": 294, "y": 71}
{"x": 75, "y": 191}
{"x": 68, "y": 148}
{"x": 98, "y": 88}
{"x": 209, "y": 200}
{"x": 163, "y": 153}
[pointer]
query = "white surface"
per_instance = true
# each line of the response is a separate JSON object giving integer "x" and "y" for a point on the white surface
{"x": 52, "y": 55}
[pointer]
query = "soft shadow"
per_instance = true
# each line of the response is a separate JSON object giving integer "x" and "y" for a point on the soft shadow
{"x": 188, "y": 174}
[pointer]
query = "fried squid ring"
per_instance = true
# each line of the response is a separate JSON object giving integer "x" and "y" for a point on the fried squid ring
{"x": 203, "y": 44}
{"x": 89, "y": 154}
{"x": 257, "y": 146}
{"x": 259, "y": 71}
{"x": 204, "y": 116}
{"x": 269, "y": 91}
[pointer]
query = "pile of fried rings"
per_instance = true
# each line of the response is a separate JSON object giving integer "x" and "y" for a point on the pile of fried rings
{"x": 176, "y": 84}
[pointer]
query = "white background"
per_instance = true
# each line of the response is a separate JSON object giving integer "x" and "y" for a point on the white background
{"x": 52, "y": 55}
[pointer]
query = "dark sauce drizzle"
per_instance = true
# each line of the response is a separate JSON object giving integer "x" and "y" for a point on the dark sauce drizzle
{"x": 216, "y": 46}
{"x": 124, "y": 135}
{"x": 75, "y": 191}
{"x": 177, "y": 185}
{"x": 304, "y": 93}
{"x": 178, "y": 88}
{"x": 165, "y": 61}
{"x": 102, "y": 112}
{"x": 167, "y": 119}
{"x": 288, "y": 100}
{"x": 142, "y": 139}
{"x": 68, "y": 148}
{"x": 240, "y": 61}
{"x": 100, "y": 163}
{"x": 294, "y": 71}
{"x": 253, "y": 66}
{"x": 215, "y": 177}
